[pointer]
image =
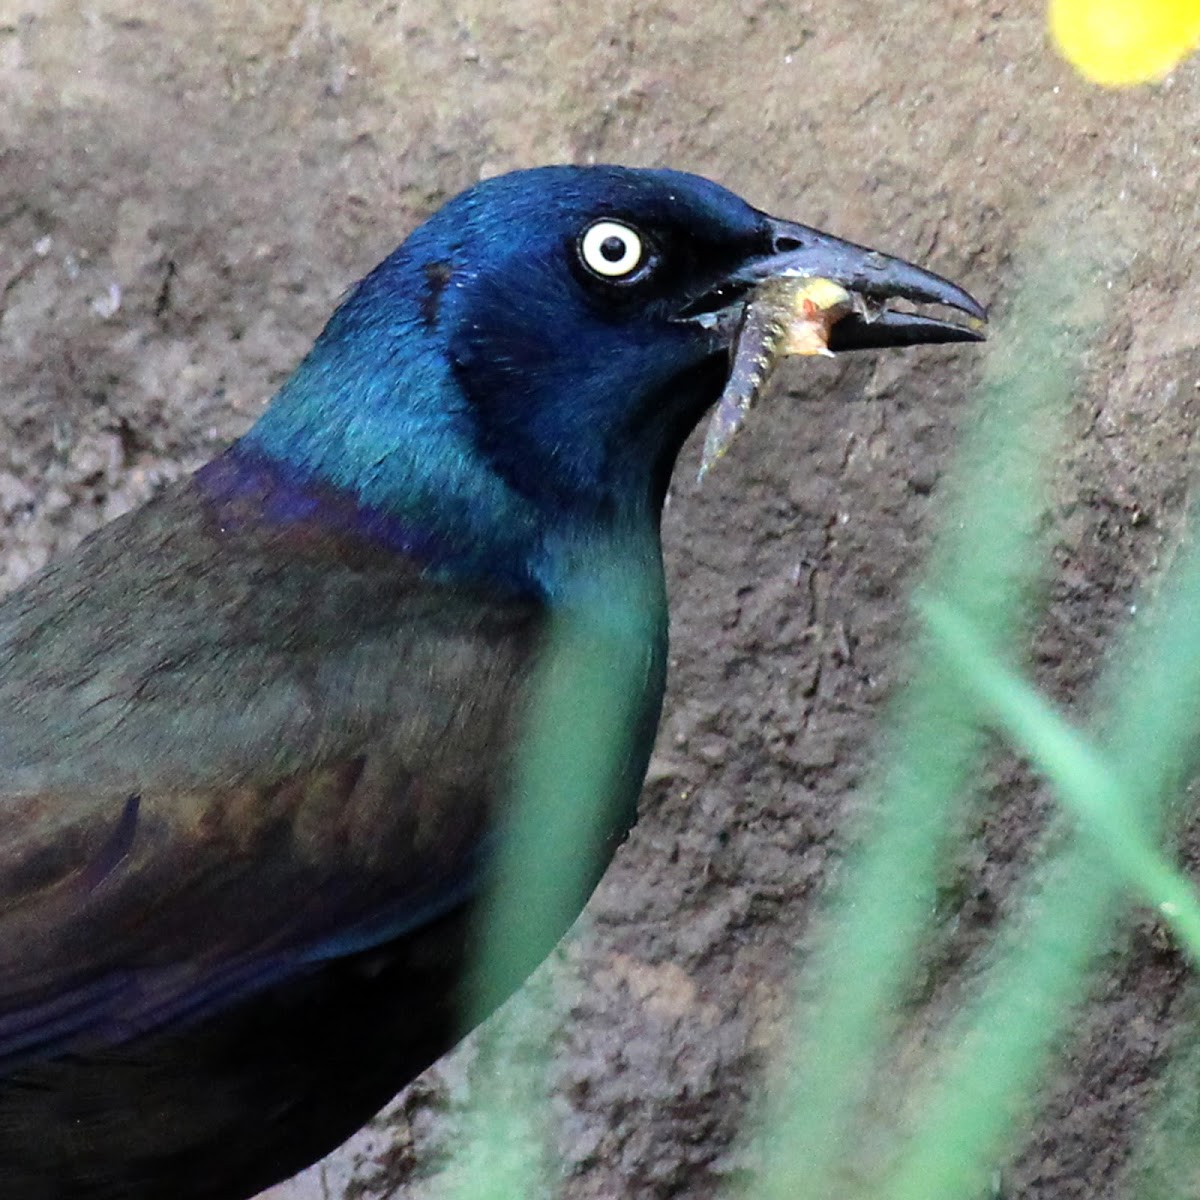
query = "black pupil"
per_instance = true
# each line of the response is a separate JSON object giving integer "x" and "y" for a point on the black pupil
{"x": 612, "y": 248}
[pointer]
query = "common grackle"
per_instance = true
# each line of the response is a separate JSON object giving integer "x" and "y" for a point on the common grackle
{"x": 254, "y": 735}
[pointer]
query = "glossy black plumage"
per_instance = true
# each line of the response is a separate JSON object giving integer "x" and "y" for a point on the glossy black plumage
{"x": 254, "y": 737}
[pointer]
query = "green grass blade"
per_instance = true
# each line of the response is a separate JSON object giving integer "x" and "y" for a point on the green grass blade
{"x": 999, "y": 1047}
{"x": 573, "y": 763}
{"x": 1083, "y": 779}
{"x": 985, "y": 559}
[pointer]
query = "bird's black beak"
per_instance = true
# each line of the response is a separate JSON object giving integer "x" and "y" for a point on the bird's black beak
{"x": 802, "y": 252}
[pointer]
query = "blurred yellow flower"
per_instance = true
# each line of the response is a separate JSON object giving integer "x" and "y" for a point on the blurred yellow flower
{"x": 1118, "y": 42}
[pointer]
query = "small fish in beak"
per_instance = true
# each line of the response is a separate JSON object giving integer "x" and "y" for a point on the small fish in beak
{"x": 784, "y": 316}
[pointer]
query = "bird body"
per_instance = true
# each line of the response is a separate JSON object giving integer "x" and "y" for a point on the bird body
{"x": 256, "y": 737}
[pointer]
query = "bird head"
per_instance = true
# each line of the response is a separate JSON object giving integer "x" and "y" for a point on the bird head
{"x": 542, "y": 345}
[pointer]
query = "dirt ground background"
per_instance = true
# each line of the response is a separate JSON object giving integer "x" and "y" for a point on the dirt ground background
{"x": 185, "y": 190}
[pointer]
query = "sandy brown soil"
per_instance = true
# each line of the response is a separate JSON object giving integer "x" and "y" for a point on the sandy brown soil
{"x": 186, "y": 189}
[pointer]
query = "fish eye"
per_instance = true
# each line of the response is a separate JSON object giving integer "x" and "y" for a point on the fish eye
{"x": 611, "y": 250}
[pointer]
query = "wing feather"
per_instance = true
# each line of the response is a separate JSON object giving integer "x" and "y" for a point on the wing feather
{"x": 228, "y": 752}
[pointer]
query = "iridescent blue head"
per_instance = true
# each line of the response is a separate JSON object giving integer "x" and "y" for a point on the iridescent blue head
{"x": 534, "y": 355}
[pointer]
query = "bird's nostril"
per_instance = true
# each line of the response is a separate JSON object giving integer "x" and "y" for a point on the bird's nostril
{"x": 785, "y": 243}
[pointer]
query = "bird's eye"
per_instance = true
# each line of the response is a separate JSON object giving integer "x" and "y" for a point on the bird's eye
{"x": 611, "y": 250}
